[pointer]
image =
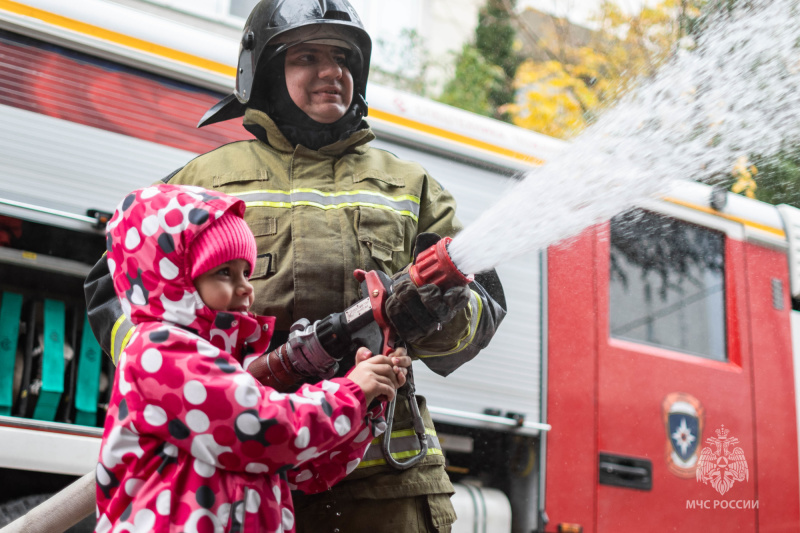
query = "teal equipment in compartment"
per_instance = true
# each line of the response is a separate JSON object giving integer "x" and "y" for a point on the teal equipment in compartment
{"x": 88, "y": 383}
{"x": 9, "y": 334}
{"x": 52, "y": 361}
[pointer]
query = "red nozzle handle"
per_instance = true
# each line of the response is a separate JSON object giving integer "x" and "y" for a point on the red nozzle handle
{"x": 434, "y": 265}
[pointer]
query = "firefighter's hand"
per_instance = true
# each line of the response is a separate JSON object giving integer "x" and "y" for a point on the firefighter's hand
{"x": 380, "y": 376}
{"x": 416, "y": 312}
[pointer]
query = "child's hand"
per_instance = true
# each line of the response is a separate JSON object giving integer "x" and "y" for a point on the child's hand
{"x": 401, "y": 363}
{"x": 380, "y": 375}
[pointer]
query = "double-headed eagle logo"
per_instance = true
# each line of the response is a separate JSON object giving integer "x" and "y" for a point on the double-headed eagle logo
{"x": 724, "y": 465}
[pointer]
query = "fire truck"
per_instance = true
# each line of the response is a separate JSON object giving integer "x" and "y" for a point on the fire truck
{"x": 643, "y": 380}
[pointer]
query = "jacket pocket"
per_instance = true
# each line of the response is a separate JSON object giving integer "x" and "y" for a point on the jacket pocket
{"x": 242, "y": 176}
{"x": 263, "y": 226}
{"x": 377, "y": 175}
{"x": 442, "y": 513}
{"x": 265, "y": 265}
{"x": 265, "y": 230}
{"x": 381, "y": 235}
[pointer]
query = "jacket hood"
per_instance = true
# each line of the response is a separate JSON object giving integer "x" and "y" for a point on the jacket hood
{"x": 148, "y": 240}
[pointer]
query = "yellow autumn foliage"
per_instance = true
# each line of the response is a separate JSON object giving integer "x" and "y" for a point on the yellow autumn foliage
{"x": 744, "y": 172}
{"x": 561, "y": 96}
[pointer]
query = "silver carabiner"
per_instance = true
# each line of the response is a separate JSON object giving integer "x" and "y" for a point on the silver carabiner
{"x": 419, "y": 427}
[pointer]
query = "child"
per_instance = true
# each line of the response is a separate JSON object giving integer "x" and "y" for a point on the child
{"x": 192, "y": 442}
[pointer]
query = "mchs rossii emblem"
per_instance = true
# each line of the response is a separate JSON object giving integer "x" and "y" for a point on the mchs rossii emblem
{"x": 722, "y": 464}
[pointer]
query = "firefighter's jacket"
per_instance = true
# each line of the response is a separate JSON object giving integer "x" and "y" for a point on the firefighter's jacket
{"x": 192, "y": 441}
{"x": 318, "y": 216}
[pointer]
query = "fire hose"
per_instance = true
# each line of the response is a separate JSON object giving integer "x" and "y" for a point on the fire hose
{"x": 308, "y": 351}
{"x": 306, "y": 354}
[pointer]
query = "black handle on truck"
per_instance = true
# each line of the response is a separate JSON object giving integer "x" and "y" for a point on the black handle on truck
{"x": 628, "y": 472}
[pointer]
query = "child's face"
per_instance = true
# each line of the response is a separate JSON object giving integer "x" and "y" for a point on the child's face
{"x": 226, "y": 286}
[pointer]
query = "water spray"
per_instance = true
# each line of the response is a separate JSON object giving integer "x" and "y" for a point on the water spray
{"x": 736, "y": 93}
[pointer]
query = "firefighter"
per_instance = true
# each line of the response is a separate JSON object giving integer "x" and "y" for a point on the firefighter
{"x": 322, "y": 202}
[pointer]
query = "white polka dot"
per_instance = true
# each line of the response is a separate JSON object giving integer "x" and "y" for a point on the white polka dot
{"x": 167, "y": 268}
{"x": 132, "y": 239}
{"x": 137, "y": 297}
{"x": 352, "y": 465}
{"x": 199, "y": 192}
{"x": 170, "y": 450}
{"x": 155, "y": 415}
{"x": 276, "y": 396}
{"x": 247, "y": 393}
{"x": 132, "y": 486}
{"x": 316, "y": 396}
{"x": 206, "y": 349}
{"x": 334, "y": 454}
{"x": 256, "y": 468}
{"x": 247, "y": 396}
{"x": 151, "y": 360}
{"x": 248, "y": 424}
{"x": 307, "y": 454}
{"x": 194, "y": 392}
{"x": 150, "y": 225}
{"x": 148, "y": 192}
{"x": 303, "y": 438}
{"x": 197, "y": 421}
{"x": 144, "y": 521}
{"x": 330, "y": 386}
{"x": 305, "y": 475}
{"x": 126, "y": 306}
{"x": 204, "y": 469}
{"x": 112, "y": 266}
{"x": 249, "y": 360}
{"x": 238, "y": 511}
{"x": 196, "y": 516}
{"x": 342, "y": 425}
{"x": 104, "y": 525}
{"x": 362, "y": 436}
{"x": 253, "y": 501}
{"x": 102, "y": 475}
{"x": 276, "y": 491}
{"x": 206, "y": 448}
{"x": 223, "y": 513}
{"x": 164, "y": 502}
{"x": 287, "y": 519}
{"x": 124, "y": 386}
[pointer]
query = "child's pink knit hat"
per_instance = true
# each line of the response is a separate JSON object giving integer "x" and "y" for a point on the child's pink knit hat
{"x": 226, "y": 239}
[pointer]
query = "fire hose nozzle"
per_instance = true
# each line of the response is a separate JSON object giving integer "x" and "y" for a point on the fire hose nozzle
{"x": 435, "y": 266}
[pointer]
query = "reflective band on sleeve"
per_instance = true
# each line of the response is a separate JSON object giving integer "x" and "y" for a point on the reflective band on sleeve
{"x": 404, "y": 205}
{"x": 474, "y": 303}
{"x": 404, "y": 444}
{"x": 120, "y": 334}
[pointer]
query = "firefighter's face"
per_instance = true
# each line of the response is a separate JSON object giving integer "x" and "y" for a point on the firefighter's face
{"x": 319, "y": 81}
{"x": 226, "y": 287}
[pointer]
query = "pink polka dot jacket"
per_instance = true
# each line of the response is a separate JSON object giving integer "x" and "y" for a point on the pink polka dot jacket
{"x": 192, "y": 442}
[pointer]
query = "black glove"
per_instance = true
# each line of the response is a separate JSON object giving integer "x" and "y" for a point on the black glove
{"x": 416, "y": 312}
